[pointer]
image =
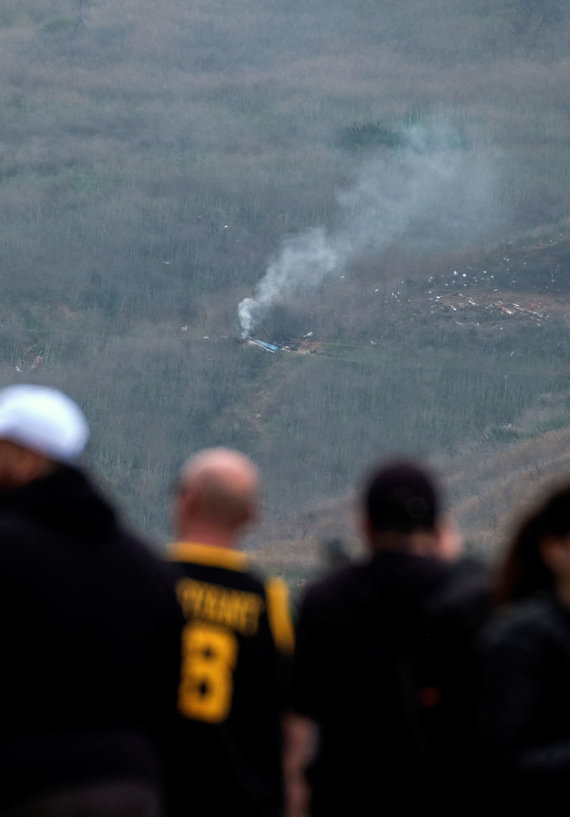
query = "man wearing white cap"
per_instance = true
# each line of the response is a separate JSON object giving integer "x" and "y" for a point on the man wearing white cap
{"x": 89, "y": 630}
{"x": 38, "y": 427}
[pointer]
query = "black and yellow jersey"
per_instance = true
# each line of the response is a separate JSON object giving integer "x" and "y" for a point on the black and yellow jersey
{"x": 236, "y": 644}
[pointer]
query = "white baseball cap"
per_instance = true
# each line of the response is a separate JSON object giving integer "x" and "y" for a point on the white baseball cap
{"x": 44, "y": 420}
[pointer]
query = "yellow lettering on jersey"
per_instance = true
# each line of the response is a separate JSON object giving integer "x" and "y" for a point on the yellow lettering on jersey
{"x": 232, "y": 608}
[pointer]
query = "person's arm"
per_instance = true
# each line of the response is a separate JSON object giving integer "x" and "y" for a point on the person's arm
{"x": 279, "y": 614}
{"x": 298, "y": 750}
{"x": 301, "y": 723}
{"x": 296, "y": 731}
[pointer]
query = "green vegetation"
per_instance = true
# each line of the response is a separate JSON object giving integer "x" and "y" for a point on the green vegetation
{"x": 153, "y": 158}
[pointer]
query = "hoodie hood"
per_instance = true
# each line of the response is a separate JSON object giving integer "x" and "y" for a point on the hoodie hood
{"x": 64, "y": 500}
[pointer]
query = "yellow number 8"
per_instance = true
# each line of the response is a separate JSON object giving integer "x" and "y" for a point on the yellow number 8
{"x": 209, "y": 655}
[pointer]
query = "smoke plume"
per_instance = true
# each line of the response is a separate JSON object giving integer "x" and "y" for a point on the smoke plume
{"x": 431, "y": 192}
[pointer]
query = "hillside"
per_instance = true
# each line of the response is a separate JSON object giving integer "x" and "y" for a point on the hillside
{"x": 514, "y": 311}
{"x": 387, "y": 190}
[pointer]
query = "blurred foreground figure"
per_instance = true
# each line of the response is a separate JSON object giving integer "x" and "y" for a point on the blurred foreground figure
{"x": 363, "y": 676}
{"x": 235, "y": 646}
{"x": 526, "y": 665}
{"x": 89, "y": 630}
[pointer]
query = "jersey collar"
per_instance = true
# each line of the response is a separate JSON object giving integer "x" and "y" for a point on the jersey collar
{"x": 211, "y": 555}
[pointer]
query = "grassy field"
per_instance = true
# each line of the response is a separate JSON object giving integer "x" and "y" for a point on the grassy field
{"x": 154, "y": 160}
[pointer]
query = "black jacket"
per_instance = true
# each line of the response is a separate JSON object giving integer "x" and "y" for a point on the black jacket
{"x": 356, "y": 674}
{"x": 526, "y": 670}
{"x": 89, "y": 643}
{"x": 451, "y": 689}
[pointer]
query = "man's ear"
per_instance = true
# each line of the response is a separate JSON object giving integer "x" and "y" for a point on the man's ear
{"x": 449, "y": 543}
{"x": 27, "y": 465}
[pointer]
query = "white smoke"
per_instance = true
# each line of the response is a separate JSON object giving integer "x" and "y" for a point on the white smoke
{"x": 430, "y": 190}
{"x": 303, "y": 263}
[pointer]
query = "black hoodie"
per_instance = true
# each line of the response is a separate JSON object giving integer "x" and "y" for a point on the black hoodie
{"x": 89, "y": 643}
{"x": 359, "y": 637}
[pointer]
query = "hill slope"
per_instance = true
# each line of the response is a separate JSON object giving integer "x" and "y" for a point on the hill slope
{"x": 155, "y": 160}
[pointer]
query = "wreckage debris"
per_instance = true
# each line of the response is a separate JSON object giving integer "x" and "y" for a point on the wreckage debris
{"x": 300, "y": 346}
{"x": 31, "y": 358}
{"x": 263, "y": 344}
{"x": 456, "y": 301}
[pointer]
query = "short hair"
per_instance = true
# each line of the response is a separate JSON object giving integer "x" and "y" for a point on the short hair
{"x": 401, "y": 497}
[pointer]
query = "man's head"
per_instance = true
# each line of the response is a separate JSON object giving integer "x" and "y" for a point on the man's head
{"x": 218, "y": 495}
{"x": 401, "y": 509}
{"x": 39, "y": 427}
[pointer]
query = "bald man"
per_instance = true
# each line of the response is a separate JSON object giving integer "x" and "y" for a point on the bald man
{"x": 236, "y": 645}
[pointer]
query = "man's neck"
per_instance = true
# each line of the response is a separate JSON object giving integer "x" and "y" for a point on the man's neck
{"x": 416, "y": 543}
{"x": 205, "y": 534}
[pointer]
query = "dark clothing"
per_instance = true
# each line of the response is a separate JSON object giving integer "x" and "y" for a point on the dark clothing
{"x": 102, "y": 800}
{"x": 90, "y": 634}
{"x": 234, "y": 684}
{"x": 451, "y": 689}
{"x": 357, "y": 674}
{"x": 526, "y": 671}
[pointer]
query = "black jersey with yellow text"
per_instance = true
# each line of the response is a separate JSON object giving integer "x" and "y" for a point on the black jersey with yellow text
{"x": 236, "y": 642}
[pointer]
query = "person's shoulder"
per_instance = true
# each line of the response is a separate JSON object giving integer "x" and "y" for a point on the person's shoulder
{"x": 279, "y": 613}
{"x": 226, "y": 567}
{"x": 20, "y": 525}
{"x": 468, "y": 574}
{"x": 381, "y": 569}
{"x": 16, "y": 530}
{"x": 334, "y": 587}
{"x": 528, "y": 622}
{"x": 133, "y": 542}
{"x": 144, "y": 562}
{"x": 464, "y": 593}
{"x": 412, "y": 579}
